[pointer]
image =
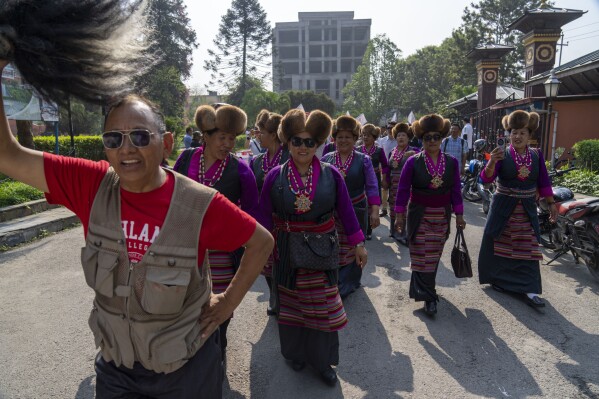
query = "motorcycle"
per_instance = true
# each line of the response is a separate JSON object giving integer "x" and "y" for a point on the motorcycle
{"x": 470, "y": 179}
{"x": 486, "y": 191}
{"x": 576, "y": 229}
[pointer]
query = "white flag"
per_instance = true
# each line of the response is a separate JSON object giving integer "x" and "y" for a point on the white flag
{"x": 411, "y": 117}
{"x": 347, "y": 113}
{"x": 394, "y": 118}
{"x": 362, "y": 119}
{"x": 301, "y": 107}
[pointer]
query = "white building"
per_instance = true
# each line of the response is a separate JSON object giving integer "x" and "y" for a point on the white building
{"x": 319, "y": 53}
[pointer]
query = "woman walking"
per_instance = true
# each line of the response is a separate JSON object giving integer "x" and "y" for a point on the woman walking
{"x": 301, "y": 196}
{"x": 276, "y": 154}
{"x": 430, "y": 180}
{"x": 509, "y": 254}
{"x": 357, "y": 170}
{"x": 370, "y": 134}
{"x": 402, "y": 133}
{"x": 214, "y": 166}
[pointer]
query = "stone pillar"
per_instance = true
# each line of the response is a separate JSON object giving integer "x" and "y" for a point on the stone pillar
{"x": 487, "y": 72}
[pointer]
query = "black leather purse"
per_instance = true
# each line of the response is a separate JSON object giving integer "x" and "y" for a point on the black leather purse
{"x": 460, "y": 259}
{"x": 314, "y": 251}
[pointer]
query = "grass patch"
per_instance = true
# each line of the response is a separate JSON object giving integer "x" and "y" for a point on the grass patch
{"x": 14, "y": 193}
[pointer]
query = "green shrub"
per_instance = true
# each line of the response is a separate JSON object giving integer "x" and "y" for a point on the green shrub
{"x": 14, "y": 192}
{"x": 88, "y": 147}
{"x": 580, "y": 181}
{"x": 239, "y": 142}
{"x": 587, "y": 154}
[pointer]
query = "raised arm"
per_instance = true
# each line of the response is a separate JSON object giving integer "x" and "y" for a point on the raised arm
{"x": 16, "y": 161}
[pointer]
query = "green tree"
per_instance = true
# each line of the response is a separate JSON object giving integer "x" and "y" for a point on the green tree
{"x": 374, "y": 88}
{"x": 237, "y": 91}
{"x": 243, "y": 46}
{"x": 174, "y": 42}
{"x": 87, "y": 118}
{"x": 311, "y": 101}
{"x": 257, "y": 99}
{"x": 166, "y": 89}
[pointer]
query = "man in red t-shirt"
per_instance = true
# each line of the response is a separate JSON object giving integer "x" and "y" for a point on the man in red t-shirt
{"x": 135, "y": 149}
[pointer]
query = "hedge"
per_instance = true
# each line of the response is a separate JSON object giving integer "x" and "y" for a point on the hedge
{"x": 14, "y": 192}
{"x": 580, "y": 181}
{"x": 587, "y": 154}
{"x": 89, "y": 147}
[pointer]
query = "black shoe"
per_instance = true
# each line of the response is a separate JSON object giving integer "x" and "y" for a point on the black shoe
{"x": 497, "y": 288}
{"x": 298, "y": 365}
{"x": 535, "y": 301}
{"x": 369, "y": 237}
{"x": 430, "y": 307}
{"x": 329, "y": 376}
{"x": 383, "y": 213}
{"x": 270, "y": 311}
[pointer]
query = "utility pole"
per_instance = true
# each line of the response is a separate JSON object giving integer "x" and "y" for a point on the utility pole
{"x": 561, "y": 48}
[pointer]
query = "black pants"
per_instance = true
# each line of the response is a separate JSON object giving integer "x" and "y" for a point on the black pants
{"x": 422, "y": 286}
{"x": 201, "y": 377}
{"x": 319, "y": 349}
{"x": 223, "y": 336}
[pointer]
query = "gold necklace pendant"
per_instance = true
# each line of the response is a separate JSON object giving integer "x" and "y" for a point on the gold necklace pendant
{"x": 302, "y": 203}
{"x": 523, "y": 172}
{"x": 394, "y": 164}
{"x": 437, "y": 181}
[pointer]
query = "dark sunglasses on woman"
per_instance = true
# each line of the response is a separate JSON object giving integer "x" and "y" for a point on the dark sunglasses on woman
{"x": 298, "y": 141}
{"x": 432, "y": 137}
{"x": 114, "y": 139}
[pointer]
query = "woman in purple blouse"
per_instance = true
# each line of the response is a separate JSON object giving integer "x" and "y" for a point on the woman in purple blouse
{"x": 214, "y": 166}
{"x": 509, "y": 254}
{"x": 430, "y": 180}
{"x": 302, "y": 195}
{"x": 358, "y": 172}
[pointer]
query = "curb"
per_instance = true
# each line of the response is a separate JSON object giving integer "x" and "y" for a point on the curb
{"x": 28, "y": 208}
{"x": 21, "y": 235}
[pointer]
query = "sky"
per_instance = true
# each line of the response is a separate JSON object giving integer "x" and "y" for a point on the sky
{"x": 410, "y": 24}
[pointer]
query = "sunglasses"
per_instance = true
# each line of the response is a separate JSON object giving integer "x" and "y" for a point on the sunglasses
{"x": 432, "y": 137}
{"x": 298, "y": 141}
{"x": 114, "y": 139}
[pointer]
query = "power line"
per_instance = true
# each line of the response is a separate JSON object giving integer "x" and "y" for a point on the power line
{"x": 583, "y": 34}
{"x": 583, "y": 38}
{"x": 579, "y": 27}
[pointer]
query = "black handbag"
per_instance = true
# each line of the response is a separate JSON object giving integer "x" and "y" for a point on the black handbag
{"x": 460, "y": 259}
{"x": 314, "y": 251}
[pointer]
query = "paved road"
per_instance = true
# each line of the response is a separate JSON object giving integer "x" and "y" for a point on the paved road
{"x": 481, "y": 344}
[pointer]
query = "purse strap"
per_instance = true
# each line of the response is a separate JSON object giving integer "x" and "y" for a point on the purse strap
{"x": 462, "y": 238}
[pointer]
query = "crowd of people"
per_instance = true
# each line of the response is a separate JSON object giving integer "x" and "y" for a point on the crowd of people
{"x": 303, "y": 208}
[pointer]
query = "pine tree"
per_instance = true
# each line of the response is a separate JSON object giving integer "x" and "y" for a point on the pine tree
{"x": 243, "y": 48}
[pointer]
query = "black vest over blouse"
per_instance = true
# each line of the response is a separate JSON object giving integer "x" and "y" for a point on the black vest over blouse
{"x": 229, "y": 184}
{"x": 354, "y": 179}
{"x": 257, "y": 167}
{"x": 421, "y": 179}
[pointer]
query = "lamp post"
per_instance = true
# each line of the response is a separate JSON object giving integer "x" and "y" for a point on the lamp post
{"x": 551, "y": 88}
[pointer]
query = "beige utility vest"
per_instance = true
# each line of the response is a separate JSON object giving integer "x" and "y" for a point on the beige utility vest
{"x": 148, "y": 312}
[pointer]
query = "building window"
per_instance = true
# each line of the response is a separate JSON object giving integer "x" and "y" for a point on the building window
{"x": 330, "y": 66}
{"x": 322, "y": 86}
{"x": 315, "y": 23}
{"x": 315, "y": 67}
{"x": 308, "y": 84}
{"x": 346, "y": 50}
{"x": 290, "y": 68}
{"x": 330, "y": 34}
{"x": 330, "y": 50}
{"x": 288, "y": 36}
{"x": 303, "y": 67}
{"x": 359, "y": 50}
{"x": 315, "y": 35}
{"x": 304, "y": 52}
{"x": 315, "y": 51}
{"x": 361, "y": 33}
{"x": 346, "y": 34}
{"x": 286, "y": 53}
{"x": 346, "y": 66}
{"x": 286, "y": 84}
